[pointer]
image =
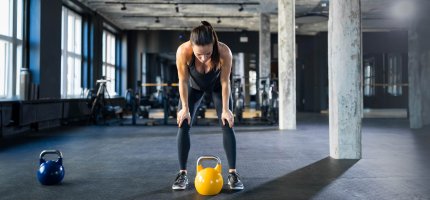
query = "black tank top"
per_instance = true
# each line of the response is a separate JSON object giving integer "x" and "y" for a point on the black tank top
{"x": 204, "y": 81}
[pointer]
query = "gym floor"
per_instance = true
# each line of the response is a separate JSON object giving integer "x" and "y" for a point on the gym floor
{"x": 140, "y": 162}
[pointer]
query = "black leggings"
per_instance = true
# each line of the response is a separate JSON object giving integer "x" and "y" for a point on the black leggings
{"x": 229, "y": 140}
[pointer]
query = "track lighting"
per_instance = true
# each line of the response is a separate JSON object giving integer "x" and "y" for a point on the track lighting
{"x": 219, "y": 20}
{"x": 123, "y": 7}
{"x": 241, "y": 8}
{"x": 157, "y": 20}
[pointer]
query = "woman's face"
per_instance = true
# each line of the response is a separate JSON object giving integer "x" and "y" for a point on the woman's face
{"x": 203, "y": 52}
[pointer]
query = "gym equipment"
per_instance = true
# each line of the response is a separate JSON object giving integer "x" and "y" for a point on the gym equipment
{"x": 208, "y": 180}
{"x": 239, "y": 100}
{"x": 274, "y": 102}
{"x": 100, "y": 108}
{"x": 164, "y": 97}
{"x": 134, "y": 104}
{"x": 50, "y": 172}
{"x": 265, "y": 101}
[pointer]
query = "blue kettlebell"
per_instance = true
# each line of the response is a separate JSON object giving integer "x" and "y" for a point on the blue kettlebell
{"x": 50, "y": 172}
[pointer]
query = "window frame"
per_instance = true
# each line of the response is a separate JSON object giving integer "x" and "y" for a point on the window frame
{"x": 11, "y": 76}
{"x": 66, "y": 54}
{"x": 106, "y": 64}
{"x": 394, "y": 74}
{"x": 369, "y": 77}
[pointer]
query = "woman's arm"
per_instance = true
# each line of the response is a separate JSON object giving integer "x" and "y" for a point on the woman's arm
{"x": 226, "y": 63}
{"x": 183, "y": 75}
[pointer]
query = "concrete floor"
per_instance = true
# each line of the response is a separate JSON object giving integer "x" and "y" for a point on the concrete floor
{"x": 140, "y": 162}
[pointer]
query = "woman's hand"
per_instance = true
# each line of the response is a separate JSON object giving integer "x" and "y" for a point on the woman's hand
{"x": 227, "y": 115}
{"x": 183, "y": 114}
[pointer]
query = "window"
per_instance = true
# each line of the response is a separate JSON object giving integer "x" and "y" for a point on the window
{"x": 252, "y": 82}
{"x": 394, "y": 74}
{"x": 10, "y": 47}
{"x": 109, "y": 69}
{"x": 71, "y": 54}
{"x": 143, "y": 73}
{"x": 369, "y": 77}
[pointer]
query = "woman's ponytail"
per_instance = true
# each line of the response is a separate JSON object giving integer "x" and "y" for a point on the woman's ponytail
{"x": 204, "y": 35}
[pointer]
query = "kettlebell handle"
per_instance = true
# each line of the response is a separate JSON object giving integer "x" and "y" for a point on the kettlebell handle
{"x": 201, "y": 158}
{"x": 60, "y": 155}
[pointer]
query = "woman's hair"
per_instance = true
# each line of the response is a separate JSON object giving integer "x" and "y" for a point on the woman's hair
{"x": 204, "y": 35}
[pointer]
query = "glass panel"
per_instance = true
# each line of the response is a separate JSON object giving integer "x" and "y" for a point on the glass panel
{"x": 112, "y": 50}
{"x": 104, "y": 70}
{"x": 18, "y": 68}
{"x": 63, "y": 92}
{"x": 62, "y": 28}
{"x": 5, "y": 18}
{"x": 63, "y": 52}
{"x": 394, "y": 75}
{"x": 70, "y": 33}
{"x": 104, "y": 47}
{"x": 19, "y": 19}
{"x": 109, "y": 60}
{"x": 112, "y": 82}
{"x": 78, "y": 35}
{"x": 108, "y": 48}
{"x": 70, "y": 64}
{"x": 5, "y": 68}
{"x": 77, "y": 77}
{"x": 3, "y": 65}
{"x": 369, "y": 77}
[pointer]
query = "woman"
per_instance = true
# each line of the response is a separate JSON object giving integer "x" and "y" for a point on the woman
{"x": 204, "y": 66}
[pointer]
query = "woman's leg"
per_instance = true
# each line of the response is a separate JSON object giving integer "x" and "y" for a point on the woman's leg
{"x": 183, "y": 137}
{"x": 229, "y": 139}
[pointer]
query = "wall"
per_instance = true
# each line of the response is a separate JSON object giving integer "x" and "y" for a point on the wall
{"x": 43, "y": 57}
{"x": 160, "y": 48}
{"x": 311, "y": 72}
{"x": 168, "y": 41}
{"x": 45, "y": 47}
{"x": 312, "y": 65}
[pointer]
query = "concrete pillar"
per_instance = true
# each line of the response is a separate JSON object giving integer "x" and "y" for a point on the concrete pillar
{"x": 264, "y": 37}
{"x": 425, "y": 93}
{"x": 287, "y": 64}
{"x": 344, "y": 48}
{"x": 415, "y": 97}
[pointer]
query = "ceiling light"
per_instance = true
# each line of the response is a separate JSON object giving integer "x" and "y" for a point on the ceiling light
{"x": 157, "y": 20}
{"x": 219, "y": 20}
{"x": 241, "y": 8}
{"x": 243, "y": 37}
{"x": 123, "y": 7}
{"x": 176, "y": 8}
{"x": 403, "y": 10}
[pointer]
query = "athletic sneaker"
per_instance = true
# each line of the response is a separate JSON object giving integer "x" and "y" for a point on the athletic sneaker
{"x": 234, "y": 181}
{"x": 181, "y": 181}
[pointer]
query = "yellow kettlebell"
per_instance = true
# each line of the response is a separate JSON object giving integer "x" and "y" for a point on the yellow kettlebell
{"x": 208, "y": 180}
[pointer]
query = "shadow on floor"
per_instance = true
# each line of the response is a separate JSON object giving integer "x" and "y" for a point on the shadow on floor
{"x": 303, "y": 183}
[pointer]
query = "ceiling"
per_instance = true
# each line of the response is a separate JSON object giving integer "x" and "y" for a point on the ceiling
{"x": 225, "y": 15}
